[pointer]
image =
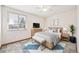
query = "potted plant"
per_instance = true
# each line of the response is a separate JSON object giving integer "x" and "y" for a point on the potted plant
{"x": 72, "y": 29}
{"x": 72, "y": 37}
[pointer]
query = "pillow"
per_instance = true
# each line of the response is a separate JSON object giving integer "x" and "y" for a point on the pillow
{"x": 58, "y": 30}
{"x": 50, "y": 31}
{"x": 54, "y": 30}
{"x": 65, "y": 30}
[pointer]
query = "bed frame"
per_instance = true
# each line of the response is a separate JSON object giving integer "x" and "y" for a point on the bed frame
{"x": 47, "y": 44}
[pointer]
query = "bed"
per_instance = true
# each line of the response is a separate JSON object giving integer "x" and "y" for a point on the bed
{"x": 48, "y": 39}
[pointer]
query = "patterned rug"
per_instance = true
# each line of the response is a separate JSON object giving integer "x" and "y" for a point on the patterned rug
{"x": 34, "y": 47}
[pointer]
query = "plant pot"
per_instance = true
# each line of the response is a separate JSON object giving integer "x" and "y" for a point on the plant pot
{"x": 72, "y": 39}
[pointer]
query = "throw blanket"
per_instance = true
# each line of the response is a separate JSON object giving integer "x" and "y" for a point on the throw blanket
{"x": 46, "y": 36}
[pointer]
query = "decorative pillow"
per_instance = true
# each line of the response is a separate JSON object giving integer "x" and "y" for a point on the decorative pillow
{"x": 50, "y": 31}
{"x": 54, "y": 30}
{"x": 58, "y": 30}
{"x": 65, "y": 30}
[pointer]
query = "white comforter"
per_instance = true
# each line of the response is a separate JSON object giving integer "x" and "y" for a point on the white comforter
{"x": 46, "y": 36}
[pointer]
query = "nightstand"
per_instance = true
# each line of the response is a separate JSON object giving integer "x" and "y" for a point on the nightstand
{"x": 35, "y": 30}
{"x": 65, "y": 37}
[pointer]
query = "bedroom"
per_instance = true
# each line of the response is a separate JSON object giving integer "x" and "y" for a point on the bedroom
{"x": 44, "y": 17}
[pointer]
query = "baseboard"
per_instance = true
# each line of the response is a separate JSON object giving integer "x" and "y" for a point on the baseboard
{"x": 14, "y": 42}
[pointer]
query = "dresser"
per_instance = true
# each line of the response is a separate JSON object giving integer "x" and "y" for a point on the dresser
{"x": 34, "y": 30}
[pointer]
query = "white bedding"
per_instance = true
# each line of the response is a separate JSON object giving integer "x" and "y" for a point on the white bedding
{"x": 46, "y": 36}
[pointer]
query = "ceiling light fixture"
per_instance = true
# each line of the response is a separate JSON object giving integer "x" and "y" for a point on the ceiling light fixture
{"x": 44, "y": 8}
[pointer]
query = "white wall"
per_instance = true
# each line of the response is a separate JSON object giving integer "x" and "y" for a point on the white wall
{"x": 0, "y": 25}
{"x": 65, "y": 19}
{"x": 78, "y": 28}
{"x": 11, "y": 36}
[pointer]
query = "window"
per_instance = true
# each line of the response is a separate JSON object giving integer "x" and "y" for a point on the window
{"x": 16, "y": 21}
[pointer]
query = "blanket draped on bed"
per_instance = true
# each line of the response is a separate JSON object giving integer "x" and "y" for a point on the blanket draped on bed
{"x": 45, "y": 36}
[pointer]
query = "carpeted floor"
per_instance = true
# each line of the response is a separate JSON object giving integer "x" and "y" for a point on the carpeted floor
{"x": 18, "y": 47}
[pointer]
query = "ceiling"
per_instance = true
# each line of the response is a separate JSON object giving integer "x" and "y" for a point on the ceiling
{"x": 37, "y": 10}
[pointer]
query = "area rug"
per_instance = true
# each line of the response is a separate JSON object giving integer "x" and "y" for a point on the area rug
{"x": 34, "y": 47}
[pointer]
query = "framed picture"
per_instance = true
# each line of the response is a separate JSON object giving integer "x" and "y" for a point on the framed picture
{"x": 16, "y": 21}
